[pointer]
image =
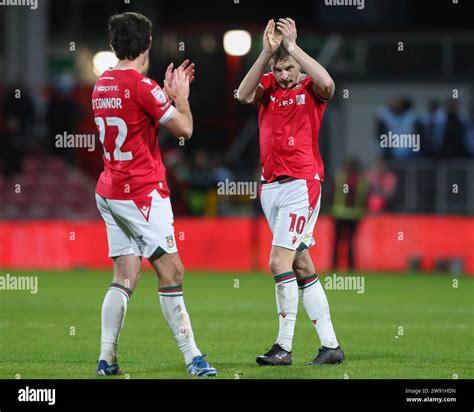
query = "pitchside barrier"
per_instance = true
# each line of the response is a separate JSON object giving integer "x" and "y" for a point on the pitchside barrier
{"x": 383, "y": 243}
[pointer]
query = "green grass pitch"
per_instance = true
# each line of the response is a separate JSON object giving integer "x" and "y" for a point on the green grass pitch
{"x": 55, "y": 333}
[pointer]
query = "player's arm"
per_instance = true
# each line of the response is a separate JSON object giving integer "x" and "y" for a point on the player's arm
{"x": 181, "y": 123}
{"x": 323, "y": 84}
{"x": 250, "y": 91}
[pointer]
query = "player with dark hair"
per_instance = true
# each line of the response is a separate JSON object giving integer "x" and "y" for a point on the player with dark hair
{"x": 125, "y": 45}
{"x": 132, "y": 194}
{"x": 291, "y": 105}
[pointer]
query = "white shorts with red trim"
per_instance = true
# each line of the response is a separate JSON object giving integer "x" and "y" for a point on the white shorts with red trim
{"x": 292, "y": 210}
{"x": 142, "y": 227}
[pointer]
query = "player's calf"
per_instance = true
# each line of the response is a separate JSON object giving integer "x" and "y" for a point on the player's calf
{"x": 170, "y": 273}
{"x": 114, "y": 309}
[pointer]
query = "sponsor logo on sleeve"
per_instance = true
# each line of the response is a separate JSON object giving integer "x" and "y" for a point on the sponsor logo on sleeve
{"x": 159, "y": 95}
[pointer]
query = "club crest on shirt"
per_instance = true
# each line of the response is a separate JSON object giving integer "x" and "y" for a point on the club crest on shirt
{"x": 170, "y": 241}
{"x": 300, "y": 99}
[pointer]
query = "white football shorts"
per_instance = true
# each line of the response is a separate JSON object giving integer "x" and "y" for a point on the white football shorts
{"x": 292, "y": 209}
{"x": 139, "y": 227}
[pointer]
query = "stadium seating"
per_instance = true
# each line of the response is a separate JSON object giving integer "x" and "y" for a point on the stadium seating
{"x": 47, "y": 189}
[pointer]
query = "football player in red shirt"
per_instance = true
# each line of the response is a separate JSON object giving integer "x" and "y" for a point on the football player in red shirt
{"x": 132, "y": 194}
{"x": 291, "y": 101}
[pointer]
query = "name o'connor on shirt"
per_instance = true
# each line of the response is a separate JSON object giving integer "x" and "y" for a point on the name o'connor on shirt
{"x": 107, "y": 103}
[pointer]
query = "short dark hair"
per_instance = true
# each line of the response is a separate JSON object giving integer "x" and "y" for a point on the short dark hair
{"x": 280, "y": 54}
{"x": 130, "y": 35}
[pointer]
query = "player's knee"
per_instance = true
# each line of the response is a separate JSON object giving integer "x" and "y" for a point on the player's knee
{"x": 126, "y": 271}
{"x": 302, "y": 269}
{"x": 178, "y": 273}
{"x": 136, "y": 278}
{"x": 127, "y": 279}
{"x": 278, "y": 265}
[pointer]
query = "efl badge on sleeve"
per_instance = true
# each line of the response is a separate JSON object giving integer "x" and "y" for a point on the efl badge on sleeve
{"x": 159, "y": 95}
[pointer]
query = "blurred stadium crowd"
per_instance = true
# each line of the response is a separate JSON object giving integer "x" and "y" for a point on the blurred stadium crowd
{"x": 58, "y": 182}
{"x": 445, "y": 129}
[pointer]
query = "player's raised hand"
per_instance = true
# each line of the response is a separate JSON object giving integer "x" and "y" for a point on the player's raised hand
{"x": 168, "y": 80}
{"x": 288, "y": 30}
{"x": 189, "y": 70}
{"x": 178, "y": 88}
{"x": 169, "y": 74}
{"x": 271, "y": 39}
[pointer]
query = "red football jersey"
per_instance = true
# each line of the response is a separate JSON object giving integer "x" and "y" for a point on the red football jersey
{"x": 289, "y": 122}
{"x": 129, "y": 109}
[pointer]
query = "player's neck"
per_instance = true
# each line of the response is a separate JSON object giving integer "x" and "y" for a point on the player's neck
{"x": 136, "y": 65}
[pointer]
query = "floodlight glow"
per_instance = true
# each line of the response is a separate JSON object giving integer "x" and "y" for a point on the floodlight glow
{"x": 237, "y": 42}
{"x": 104, "y": 60}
